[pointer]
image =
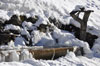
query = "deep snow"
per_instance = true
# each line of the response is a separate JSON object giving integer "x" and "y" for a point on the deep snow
{"x": 69, "y": 60}
{"x": 59, "y": 9}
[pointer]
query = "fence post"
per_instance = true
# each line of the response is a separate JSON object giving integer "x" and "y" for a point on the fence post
{"x": 83, "y": 22}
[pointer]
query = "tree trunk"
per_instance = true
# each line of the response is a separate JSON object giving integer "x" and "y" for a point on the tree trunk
{"x": 84, "y": 26}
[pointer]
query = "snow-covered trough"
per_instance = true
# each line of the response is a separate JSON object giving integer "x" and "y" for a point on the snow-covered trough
{"x": 17, "y": 54}
{"x": 54, "y": 53}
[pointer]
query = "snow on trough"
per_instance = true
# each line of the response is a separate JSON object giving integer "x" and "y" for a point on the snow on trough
{"x": 59, "y": 9}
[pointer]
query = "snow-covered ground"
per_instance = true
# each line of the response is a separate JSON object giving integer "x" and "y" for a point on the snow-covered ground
{"x": 59, "y": 9}
{"x": 69, "y": 60}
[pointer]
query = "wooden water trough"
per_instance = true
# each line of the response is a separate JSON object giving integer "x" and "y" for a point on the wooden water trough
{"x": 47, "y": 53}
{"x": 54, "y": 53}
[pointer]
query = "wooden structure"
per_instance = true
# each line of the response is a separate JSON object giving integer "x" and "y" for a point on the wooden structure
{"x": 43, "y": 53}
{"x": 83, "y": 22}
{"x": 54, "y": 53}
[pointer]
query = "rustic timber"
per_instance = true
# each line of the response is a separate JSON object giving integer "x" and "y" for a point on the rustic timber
{"x": 47, "y": 53}
{"x": 83, "y": 22}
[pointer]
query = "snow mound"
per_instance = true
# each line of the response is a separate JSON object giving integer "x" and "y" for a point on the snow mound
{"x": 67, "y": 39}
{"x": 12, "y": 27}
{"x": 48, "y": 8}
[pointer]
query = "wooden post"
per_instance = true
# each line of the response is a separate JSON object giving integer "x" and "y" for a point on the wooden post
{"x": 83, "y": 22}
